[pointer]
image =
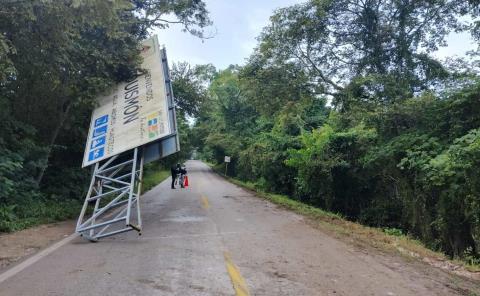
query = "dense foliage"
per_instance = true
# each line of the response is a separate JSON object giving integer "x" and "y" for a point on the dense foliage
{"x": 55, "y": 58}
{"x": 344, "y": 106}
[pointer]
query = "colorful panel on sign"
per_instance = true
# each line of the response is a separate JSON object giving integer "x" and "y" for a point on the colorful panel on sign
{"x": 97, "y": 143}
{"x": 153, "y": 125}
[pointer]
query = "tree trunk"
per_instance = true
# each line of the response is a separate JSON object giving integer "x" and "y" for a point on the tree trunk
{"x": 51, "y": 142}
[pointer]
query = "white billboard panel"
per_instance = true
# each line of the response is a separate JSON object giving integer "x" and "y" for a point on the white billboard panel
{"x": 135, "y": 112}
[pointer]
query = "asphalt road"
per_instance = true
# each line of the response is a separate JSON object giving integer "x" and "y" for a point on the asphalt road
{"x": 215, "y": 238}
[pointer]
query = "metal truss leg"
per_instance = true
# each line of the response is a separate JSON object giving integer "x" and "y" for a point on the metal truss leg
{"x": 114, "y": 191}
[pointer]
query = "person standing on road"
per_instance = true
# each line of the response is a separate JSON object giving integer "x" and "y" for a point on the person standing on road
{"x": 178, "y": 172}
{"x": 175, "y": 170}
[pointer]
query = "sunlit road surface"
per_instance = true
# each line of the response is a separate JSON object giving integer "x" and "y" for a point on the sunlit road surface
{"x": 215, "y": 238}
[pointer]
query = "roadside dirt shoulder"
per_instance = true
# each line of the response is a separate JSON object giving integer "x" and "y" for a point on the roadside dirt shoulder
{"x": 399, "y": 254}
{"x": 21, "y": 244}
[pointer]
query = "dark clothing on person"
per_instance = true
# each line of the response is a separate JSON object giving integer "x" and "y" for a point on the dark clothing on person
{"x": 174, "y": 171}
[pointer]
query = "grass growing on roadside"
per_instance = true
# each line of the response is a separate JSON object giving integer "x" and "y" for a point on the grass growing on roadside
{"x": 386, "y": 239}
{"x": 42, "y": 211}
{"x": 36, "y": 212}
{"x": 153, "y": 175}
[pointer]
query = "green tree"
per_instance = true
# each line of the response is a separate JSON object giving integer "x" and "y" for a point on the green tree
{"x": 382, "y": 47}
{"x": 190, "y": 86}
{"x": 56, "y": 57}
{"x": 399, "y": 145}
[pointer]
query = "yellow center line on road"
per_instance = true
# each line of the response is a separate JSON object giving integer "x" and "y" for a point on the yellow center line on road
{"x": 205, "y": 203}
{"x": 239, "y": 284}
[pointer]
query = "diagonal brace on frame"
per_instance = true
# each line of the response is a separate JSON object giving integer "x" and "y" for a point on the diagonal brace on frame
{"x": 113, "y": 194}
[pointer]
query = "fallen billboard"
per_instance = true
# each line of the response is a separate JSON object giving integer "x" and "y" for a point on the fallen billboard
{"x": 136, "y": 113}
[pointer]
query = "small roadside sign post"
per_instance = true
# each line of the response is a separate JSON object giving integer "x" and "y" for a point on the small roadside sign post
{"x": 227, "y": 160}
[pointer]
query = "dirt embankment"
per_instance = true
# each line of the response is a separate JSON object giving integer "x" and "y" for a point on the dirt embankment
{"x": 21, "y": 244}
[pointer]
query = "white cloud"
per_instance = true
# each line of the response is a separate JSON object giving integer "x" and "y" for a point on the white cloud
{"x": 458, "y": 45}
{"x": 238, "y": 23}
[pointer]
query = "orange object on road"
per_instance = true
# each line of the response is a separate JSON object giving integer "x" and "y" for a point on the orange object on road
{"x": 185, "y": 181}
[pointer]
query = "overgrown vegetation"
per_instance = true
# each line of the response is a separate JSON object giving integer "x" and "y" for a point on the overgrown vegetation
{"x": 343, "y": 106}
{"x": 154, "y": 174}
{"x": 55, "y": 58}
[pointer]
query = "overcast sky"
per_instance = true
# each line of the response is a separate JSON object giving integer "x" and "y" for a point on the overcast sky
{"x": 238, "y": 23}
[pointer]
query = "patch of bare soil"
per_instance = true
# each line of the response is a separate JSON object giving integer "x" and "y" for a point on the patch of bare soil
{"x": 20, "y": 244}
{"x": 449, "y": 278}
{"x": 375, "y": 239}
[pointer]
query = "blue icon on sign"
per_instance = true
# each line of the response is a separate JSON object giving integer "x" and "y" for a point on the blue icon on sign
{"x": 152, "y": 121}
{"x": 94, "y": 154}
{"x": 99, "y": 131}
{"x": 98, "y": 142}
{"x": 101, "y": 120}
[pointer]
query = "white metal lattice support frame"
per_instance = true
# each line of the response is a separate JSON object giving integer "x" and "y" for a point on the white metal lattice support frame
{"x": 114, "y": 192}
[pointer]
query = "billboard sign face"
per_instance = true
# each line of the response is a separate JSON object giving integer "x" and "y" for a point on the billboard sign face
{"x": 134, "y": 113}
